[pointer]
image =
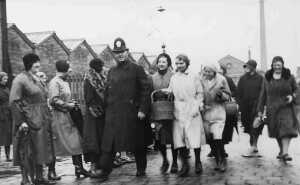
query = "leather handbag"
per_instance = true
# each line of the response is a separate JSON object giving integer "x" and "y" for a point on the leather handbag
{"x": 231, "y": 107}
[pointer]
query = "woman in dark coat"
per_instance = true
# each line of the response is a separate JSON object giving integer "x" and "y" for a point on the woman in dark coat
{"x": 231, "y": 120}
{"x": 278, "y": 95}
{"x": 5, "y": 116}
{"x": 161, "y": 79}
{"x": 94, "y": 86}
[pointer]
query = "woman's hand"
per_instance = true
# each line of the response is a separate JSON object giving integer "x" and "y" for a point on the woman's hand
{"x": 196, "y": 114}
{"x": 141, "y": 115}
{"x": 71, "y": 105}
{"x": 289, "y": 99}
{"x": 24, "y": 126}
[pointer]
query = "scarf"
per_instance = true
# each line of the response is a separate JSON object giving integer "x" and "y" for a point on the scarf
{"x": 97, "y": 80}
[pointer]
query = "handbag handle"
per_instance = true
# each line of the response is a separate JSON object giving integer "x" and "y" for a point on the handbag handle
{"x": 170, "y": 97}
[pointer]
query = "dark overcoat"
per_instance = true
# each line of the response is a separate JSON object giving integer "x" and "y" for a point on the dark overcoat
{"x": 281, "y": 118}
{"x": 231, "y": 120}
{"x": 126, "y": 94}
{"x": 93, "y": 127}
{"x": 247, "y": 95}
{"x": 5, "y": 117}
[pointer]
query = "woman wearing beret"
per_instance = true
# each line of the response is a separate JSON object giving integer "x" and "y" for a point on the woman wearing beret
{"x": 5, "y": 116}
{"x": 67, "y": 139}
{"x": 216, "y": 93}
{"x": 94, "y": 86}
{"x": 278, "y": 95}
{"x": 188, "y": 131}
{"x": 160, "y": 80}
{"x": 31, "y": 122}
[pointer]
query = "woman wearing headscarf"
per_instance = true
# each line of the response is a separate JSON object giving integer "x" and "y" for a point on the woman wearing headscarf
{"x": 188, "y": 131}
{"x": 278, "y": 95}
{"x": 5, "y": 116}
{"x": 31, "y": 122}
{"x": 160, "y": 80}
{"x": 216, "y": 93}
{"x": 94, "y": 86}
{"x": 67, "y": 139}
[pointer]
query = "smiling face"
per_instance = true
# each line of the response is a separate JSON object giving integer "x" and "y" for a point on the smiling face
{"x": 209, "y": 73}
{"x": 4, "y": 80}
{"x": 277, "y": 66}
{"x": 162, "y": 63}
{"x": 180, "y": 65}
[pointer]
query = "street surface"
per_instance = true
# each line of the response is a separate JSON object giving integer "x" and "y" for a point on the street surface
{"x": 241, "y": 171}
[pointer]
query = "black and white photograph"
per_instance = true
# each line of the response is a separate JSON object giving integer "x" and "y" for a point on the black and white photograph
{"x": 149, "y": 92}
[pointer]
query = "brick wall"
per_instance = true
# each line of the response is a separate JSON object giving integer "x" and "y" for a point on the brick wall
{"x": 80, "y": 58}
{"x": 108, "y": 58}
{"x": 17, "y": 48}
{"x": 49, "y": 52}
{"x": 143, "y": 62}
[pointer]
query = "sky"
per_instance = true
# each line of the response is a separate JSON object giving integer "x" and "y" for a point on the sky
{"x": 205, "y": 30}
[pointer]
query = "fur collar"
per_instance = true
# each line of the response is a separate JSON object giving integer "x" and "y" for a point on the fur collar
{"x": 286, "y": 74}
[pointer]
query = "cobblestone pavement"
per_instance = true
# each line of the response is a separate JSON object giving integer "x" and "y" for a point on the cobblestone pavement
{"x": 241, "y": 171}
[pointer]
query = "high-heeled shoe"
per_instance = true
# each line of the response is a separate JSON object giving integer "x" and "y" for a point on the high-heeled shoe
{"x": 52, "y": 176}
{"x": 43, "y": 181}
{"x": 174, "y": 167}
{"x": 164, "y": 167}
{"x": 198, "y": 167}
{"x": 81, "y": 171}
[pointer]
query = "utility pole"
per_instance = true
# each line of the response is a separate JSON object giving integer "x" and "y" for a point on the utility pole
{"x": 249, "y": 54}
{"x": 263, "y": 45}
{"x": 4, "y": 58}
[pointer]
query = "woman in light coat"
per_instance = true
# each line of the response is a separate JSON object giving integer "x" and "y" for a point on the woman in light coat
{"x": 216, "y": 92}
{"x": 188, "y": 131}
{"x": 67, "y": 140}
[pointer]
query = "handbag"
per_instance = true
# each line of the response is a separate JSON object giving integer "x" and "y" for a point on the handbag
{"x": 231, "y": 107}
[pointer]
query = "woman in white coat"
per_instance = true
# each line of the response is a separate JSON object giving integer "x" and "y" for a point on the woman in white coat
{"x": 216, "y": 93}
{"x": 188, "y": 131}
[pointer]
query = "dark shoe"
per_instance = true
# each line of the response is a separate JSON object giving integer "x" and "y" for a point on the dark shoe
{"x": 102, "y": 178}
{"x": 43, "y": 181}
{"x": 217, "y": 167}
{"x": 52, "y": 176}
{"x": 286, "y": 157}
{"x": 8, "y": 159}
{"x": 184, "y": 171}
{"x": 26, "y": 183}
{"x": 210, "y": 154}
{"x": 198, "y": 167}
{"x": 174, "y": 168}
{"x": 279, "y": 156}
{"x": 164, "y": 167}
{"x": 117, "y": 163}
{"x": 223, "y": 165}
{"x": 81, "y": 171}
{"x": 225, "y": 155}
{"x": 95, "y": 173}
{"x": 140, "y": 174}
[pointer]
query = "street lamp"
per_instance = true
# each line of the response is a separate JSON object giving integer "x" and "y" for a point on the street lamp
{"x": 161, "y": 9}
